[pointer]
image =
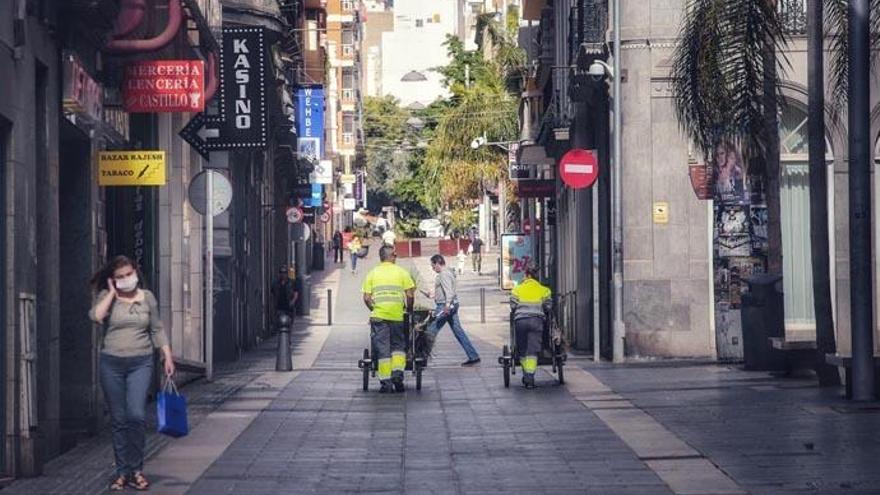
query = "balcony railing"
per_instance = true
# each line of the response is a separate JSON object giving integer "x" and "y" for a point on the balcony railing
{"x": 793, "y": 14}
{"x": 347, "y": 95}
{"x": 347, "y": 50}
{"x": 348, "y": 6}
{"x": 348, "y": 138}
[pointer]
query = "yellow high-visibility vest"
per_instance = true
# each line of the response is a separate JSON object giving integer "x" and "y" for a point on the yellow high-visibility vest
{"x": 388, "y": 283}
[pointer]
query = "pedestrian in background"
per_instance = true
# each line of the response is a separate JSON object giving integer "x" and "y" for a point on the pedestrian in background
{"x": 446, "y": 309}
{"x": 285, "y": 293}
{"x": 354, "y": 246}
{"x": 462, "y": 258}
{"x": 337, "y": 247}
{"x": 132, "y": 330}
{"x": 477, "y": 254}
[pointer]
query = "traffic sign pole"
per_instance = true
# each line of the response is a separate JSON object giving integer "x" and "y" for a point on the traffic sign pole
{"x": 209, "y": 276}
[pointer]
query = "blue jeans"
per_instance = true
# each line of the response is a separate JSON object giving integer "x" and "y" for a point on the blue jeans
{"x": 126, "y": 382}
{"x": 354, "y": 261}
{"x": 452, "y": 319}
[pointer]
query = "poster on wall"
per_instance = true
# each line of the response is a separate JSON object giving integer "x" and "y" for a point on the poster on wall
{"x": 516, "y": 253}
{"x": 732, "y": 220}
{"x": 758, "y": 215}
{"x": 729, "y": 173}
{"x": 734, "y": 245}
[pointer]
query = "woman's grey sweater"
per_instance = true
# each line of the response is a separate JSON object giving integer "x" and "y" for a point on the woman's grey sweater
{"x": 131, "y": 328}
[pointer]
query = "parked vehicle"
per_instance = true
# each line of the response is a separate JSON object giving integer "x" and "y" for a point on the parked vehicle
{"x": 431, "y": 227}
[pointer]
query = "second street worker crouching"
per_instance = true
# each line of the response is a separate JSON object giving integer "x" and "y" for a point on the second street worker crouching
{"x": 530, "y": 301}
{"x": 388, "y": 290}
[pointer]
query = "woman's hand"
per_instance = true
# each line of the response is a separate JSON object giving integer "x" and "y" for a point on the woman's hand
{"x": 169, "y": 361}
{"x": 111, "y": 287}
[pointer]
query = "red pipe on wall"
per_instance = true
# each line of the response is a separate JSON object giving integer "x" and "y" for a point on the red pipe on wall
{"x": 175, "y": 18}
{"x": 131, "y": 14}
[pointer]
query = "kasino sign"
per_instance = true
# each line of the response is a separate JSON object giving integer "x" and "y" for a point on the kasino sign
{"x": 158, "y": 86}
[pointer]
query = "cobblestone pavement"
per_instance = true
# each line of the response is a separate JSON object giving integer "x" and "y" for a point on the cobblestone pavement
{"x": 640, "y": 428}
{"x": 463, "y": 433}
{"x": 771, "y": 435}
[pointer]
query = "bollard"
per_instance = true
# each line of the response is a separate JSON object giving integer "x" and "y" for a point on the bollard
{"x": 329, "y": 307}
{"x": 482, "y": 305}
{"x": 283, "y": 361}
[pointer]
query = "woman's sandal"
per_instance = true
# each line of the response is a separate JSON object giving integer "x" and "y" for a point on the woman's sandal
{"x": 118, "y": 484}
{"x": 139, "y": 482}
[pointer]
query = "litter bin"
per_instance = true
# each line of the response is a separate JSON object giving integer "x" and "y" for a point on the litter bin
{"x": 318, "y": 256}
{"x": 762, "y": 318}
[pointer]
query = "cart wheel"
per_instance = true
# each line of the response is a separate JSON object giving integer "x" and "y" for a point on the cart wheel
{"x": 559, "y": 367}
{"x": 418, "y": 377}
{"x": 367, "y": 369}
{"x": 505, "y": 356}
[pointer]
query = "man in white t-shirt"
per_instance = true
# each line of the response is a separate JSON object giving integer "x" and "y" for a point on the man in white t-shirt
{"x": 389, "y": 237}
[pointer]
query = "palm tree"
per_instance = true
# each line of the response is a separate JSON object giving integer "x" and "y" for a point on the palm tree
{"x": 822, "y": 304}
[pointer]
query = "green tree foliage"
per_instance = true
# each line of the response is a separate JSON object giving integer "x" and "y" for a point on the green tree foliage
{"x": 481, "y": 105}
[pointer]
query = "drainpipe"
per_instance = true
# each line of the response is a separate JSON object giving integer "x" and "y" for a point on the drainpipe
{"x": 131, "y": 14}
{"x": 175, "y": 18}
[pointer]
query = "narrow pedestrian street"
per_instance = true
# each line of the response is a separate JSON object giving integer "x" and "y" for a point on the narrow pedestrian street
{"x": 648, "y": 428}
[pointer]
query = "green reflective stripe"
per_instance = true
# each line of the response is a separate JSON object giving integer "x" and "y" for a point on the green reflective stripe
{"x": 529, "y": 364}
{"x": 398, "y": 361}
{"x": 395, "y": 298}
{"x": 384, "y": 371}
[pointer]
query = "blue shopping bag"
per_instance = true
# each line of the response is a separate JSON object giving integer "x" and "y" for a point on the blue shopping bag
{"x": 171, "y": 411}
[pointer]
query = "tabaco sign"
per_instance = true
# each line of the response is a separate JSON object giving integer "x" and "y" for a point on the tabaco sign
{"x": 131, "y": 168}
{"x": 160, "y": 86}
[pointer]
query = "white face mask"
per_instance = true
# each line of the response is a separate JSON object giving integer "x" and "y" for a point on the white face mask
{"x": 127, "y": 284}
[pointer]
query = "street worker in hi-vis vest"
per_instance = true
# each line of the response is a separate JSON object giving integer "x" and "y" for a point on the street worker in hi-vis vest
{"x": 530, "y": 302}
{"x": 388, "y": 291}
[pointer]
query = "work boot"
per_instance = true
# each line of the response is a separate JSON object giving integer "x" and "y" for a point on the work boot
{"x": 397, "y": 381}
{"x": 386, "y": 387}
{"x": 528, "y": 380}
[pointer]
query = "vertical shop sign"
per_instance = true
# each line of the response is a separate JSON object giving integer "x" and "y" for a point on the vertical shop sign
{"x": 516, "y": 253}
{"x": 83, "y": 95}
{"x": 310, "y": 124}
{"x": 243, "y": 119}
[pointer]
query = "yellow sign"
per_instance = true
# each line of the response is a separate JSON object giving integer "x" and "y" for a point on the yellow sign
{"x": 131, "y": 168}
{"x": 347, "y": 178}
{"x": 661, "y": 212}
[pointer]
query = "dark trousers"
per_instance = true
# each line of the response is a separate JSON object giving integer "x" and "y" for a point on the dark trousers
{"x": 388, "y": 339}
{"x": 337, "y": 255}
{"x": 126, "y": 382}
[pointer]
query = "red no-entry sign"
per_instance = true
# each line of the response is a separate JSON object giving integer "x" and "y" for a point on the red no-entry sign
{"x": 579, "y": 168}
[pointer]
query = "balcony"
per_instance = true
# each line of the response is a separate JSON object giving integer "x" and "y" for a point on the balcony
{"x": 793, "y": 14}
{"x": 348, "y": 95}
{"x": 315, "y": 4}
{"x": 347, "y": 51}
{"x": 348, "y": 139}
{"x": 314, "y": 67}
{"x": 348, "y": 6}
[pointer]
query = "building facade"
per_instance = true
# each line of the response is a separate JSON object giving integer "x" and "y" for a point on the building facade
{"x": 684, "y": 269}
{"x": 60, "y": 106}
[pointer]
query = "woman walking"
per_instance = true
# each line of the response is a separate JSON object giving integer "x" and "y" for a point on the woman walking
{"x": 354, "y": 246}
{"x": 132, "y": 329}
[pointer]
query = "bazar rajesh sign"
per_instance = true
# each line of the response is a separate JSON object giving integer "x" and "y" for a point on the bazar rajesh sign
{"x": 157, "y": 86}
{"x": 131, "y": 168}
